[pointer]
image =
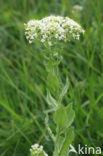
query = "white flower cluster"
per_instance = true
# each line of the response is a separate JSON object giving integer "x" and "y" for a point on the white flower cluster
{"x": 51, "y": 29}
{"x": 37, "y": 150}
{"x": 78, "y": 7}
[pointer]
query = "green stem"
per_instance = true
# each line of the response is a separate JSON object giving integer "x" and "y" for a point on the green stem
{"x": 48, "y": 128}
{"x": 56, "y": 150}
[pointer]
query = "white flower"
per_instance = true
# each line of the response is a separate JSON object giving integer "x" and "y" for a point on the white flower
{"x": 56, "y": 36}
{"x": 27, "y": 37}
{"x": 35, "y": 35}
{"x": 78, "y": 7}
{"x": 30, "y": 41}
{"x": 50, "y": 44}
{"x": 45, "y": 36}
{"x": 52, "y": 27}
{"x": 35, "y": 146}
{"x": 78, "y": 36}
{"x": 36, "y": 149}
{"x": 32, "y": 37}
{"x": 42, "y": 40}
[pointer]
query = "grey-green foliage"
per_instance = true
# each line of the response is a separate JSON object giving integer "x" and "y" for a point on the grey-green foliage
{"x": 22, "y": 75}
{"x": 63, "y": 117}
{"x": 51, "y": 101}
{"x": 64, "y": 90}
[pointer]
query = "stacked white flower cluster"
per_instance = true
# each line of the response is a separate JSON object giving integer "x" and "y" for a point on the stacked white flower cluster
{"x": 37, "y": 150}
{"x": 51, "y": 29}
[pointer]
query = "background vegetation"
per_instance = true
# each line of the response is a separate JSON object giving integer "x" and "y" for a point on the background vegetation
{"x": 23, "y": 76}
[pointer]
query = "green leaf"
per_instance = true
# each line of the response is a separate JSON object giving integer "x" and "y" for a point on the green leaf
{"x": 60, "y": 116}
{"x": 64, "y": 116}
{"x": 64, "y": 90}
{"x": 50, "y": 100}
{"x": 70, "y": 115}
{"x": 69, "y": 137}
{"x": 60, "y": 142}
{"x": 53, "y": 83}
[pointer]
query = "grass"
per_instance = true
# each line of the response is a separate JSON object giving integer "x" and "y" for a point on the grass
{"x": 23, "y": 76}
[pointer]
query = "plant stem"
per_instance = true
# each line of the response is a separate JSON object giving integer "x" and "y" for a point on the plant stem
{"x": 56, "y": 150}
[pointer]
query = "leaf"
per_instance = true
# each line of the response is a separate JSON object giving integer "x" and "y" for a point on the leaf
{"x": 68, "y": 140}
{"x": 50, "y": 100}
{"x": 70, "y": 115}
{"x": 64, "y": 90}
{"x": 64, "y": 116}
{"x": 60, "y": 116}
{"x": 53, "y": 83}
{"x": 60, "y": 142}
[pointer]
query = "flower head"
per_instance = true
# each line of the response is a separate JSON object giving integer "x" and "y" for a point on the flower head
{"x": 51, "y": 29}
{"x": 78, "y": 7}
{"x": 37, "y": 150}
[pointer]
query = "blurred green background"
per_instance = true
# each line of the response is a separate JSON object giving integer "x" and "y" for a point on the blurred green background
{"x": 23, "y": 76}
